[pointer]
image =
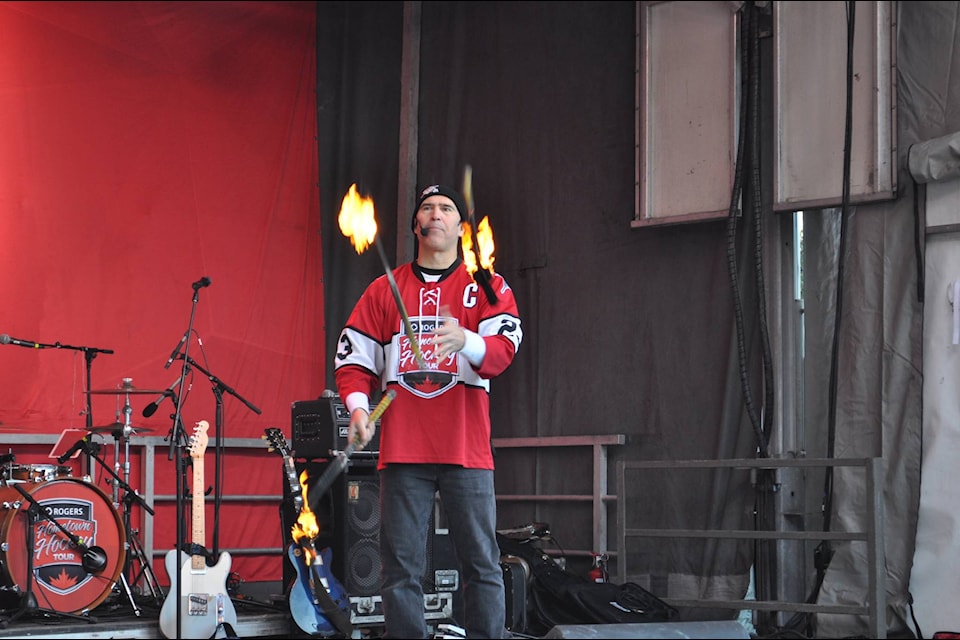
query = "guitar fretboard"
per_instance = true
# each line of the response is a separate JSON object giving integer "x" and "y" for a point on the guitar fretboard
{"x": 199, "y": 536}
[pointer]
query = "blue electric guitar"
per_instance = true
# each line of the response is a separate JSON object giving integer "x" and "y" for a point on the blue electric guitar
{"x": 316, "y": 611}
{"x": 318, "y": 602}
{"x": 206, "y": 610}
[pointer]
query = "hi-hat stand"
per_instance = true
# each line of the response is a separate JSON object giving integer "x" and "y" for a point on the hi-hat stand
{"x": 94, "y": 559}
{"x": 130, "y": 496}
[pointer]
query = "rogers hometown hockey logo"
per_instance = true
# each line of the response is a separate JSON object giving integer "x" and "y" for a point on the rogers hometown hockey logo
{"x": 58, "y": 564}
{"x": 435, "y": 377}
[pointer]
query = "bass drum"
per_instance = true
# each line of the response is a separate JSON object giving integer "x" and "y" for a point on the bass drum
{"x": 60, "y": 582}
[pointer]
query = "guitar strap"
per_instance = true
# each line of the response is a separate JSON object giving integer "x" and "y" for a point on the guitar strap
{"x": 228, "y": 629}
{"x": 330, "y": 609}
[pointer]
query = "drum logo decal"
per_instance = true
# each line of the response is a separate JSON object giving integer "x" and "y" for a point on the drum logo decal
{"x": 58, "y": 563}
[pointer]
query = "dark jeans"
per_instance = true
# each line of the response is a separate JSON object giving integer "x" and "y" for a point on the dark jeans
{"x": 407, "y": 499}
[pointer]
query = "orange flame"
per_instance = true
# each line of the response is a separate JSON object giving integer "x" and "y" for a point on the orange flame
{"x": 357, "y": 219}
{"x": 485, "y": 243}
{"x": 305, "y": 529}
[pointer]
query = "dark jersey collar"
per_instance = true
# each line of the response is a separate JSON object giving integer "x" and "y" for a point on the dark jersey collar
{"x": 443, "y": 273}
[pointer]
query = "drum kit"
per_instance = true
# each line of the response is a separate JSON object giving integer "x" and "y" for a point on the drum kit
{"x": 66, "y": 546}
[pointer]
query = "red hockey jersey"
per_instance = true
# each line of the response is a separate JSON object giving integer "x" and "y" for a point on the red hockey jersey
{"x": 441, "y": 412}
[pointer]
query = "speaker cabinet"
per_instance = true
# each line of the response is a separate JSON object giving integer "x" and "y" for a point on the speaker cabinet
{"x": 348, "y": 516}
{"x": 355, "y": 504}
{"x": 349, "y": 519}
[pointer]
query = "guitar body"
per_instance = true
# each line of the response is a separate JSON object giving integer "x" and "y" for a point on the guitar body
{"x": 304, "y": 607}
{"x": 204, "y": 602}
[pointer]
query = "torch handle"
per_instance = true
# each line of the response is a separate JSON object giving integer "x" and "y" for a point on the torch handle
{"x": 339, "y": 463}
{"x": 482, "y": 276}
{"x": 382, "y": 405}
{"x": 407, "y": 327}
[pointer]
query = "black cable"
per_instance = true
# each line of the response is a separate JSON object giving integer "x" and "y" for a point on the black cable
{"x": 841, "y": 257}
{"x": 824, "y": 551}
{"x": 745, "y": 110}
{"x": 766, "y": 357}
{"x": 918, "y": 238}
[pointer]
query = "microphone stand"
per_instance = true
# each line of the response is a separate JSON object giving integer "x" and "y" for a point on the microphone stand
{"x": 218, "y": 388}
{"x": 89, "y": 354}
{"x": 175, "y": 443}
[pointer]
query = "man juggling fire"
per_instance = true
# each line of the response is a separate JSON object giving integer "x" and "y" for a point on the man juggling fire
{"x": 462, "y": 330}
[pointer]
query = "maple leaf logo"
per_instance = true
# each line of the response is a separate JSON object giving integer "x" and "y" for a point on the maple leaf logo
{"x": 63, "y": 581}
{"x": 427, "y": 385}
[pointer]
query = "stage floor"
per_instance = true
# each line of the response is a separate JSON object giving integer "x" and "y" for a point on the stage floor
{"x": 116, "y": 617}
{"x": 262, "y": 612}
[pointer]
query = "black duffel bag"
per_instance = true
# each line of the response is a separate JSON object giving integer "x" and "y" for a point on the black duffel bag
{"x": 560, "y": 597}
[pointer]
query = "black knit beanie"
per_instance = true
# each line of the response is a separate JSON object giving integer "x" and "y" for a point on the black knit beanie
{"x": 440, "y": 190}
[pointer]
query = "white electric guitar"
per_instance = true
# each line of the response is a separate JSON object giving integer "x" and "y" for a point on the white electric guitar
{"x": 205, "y": 606}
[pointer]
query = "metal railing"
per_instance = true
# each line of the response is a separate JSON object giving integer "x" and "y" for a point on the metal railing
{"x": 875, "y": 596}
{"x": 598, "y": 498}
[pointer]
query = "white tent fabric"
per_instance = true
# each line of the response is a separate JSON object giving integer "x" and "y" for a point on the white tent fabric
{"x": 936, "y": 565}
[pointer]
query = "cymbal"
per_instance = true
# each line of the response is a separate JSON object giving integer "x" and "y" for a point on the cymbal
{"x": 122, "y": 391}
{"x": 117, "y": 427}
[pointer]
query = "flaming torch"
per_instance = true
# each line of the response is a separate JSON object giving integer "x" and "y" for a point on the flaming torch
{"x": 359, "y": 223}
{"x": 305, "y": 529}
{"x": 477, "y": 254}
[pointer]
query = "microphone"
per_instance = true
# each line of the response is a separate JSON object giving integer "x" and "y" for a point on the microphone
{"x": 201, "y": 283}
{"x": 94, "y": 559}
{"x": 151, "y": 408}
{"x": 77, "y": 446}
{"x": 176, "y": 350}
{"x": 424, "y": 231}
{"x": 5, "y": 339}
{"x": 7, "y": 457}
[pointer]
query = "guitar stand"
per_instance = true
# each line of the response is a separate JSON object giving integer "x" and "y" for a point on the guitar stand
{"x": 94, "y": 559}
{"x": 129, "y": 497}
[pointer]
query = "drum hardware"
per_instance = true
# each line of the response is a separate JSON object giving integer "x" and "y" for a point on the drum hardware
{"x": 116, "y": 429}
{"x": 125, "y": 390}
{"x": 122, "y": 433}
{"x": 135, "y": 547}
{"x": 33, "y": 473}
{"x": 7, "y": 472}
{"x": 94, "y": 558}
{"x": 144, "y": 572}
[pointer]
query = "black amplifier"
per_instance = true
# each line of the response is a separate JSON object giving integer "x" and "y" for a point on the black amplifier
{"x": 319, "y": 429}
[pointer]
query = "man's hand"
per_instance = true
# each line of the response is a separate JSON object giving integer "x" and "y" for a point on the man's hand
{"x": 449, "y": 338}
{"x": 361, "y": 429}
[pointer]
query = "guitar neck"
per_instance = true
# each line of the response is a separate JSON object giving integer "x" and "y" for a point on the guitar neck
{"x": 293, "y": 483}
{"x": 199, "y": 536}
{"x": 278, "y": 444}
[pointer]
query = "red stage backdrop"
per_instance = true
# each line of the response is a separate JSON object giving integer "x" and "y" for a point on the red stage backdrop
{"x": 143, "y": 146}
